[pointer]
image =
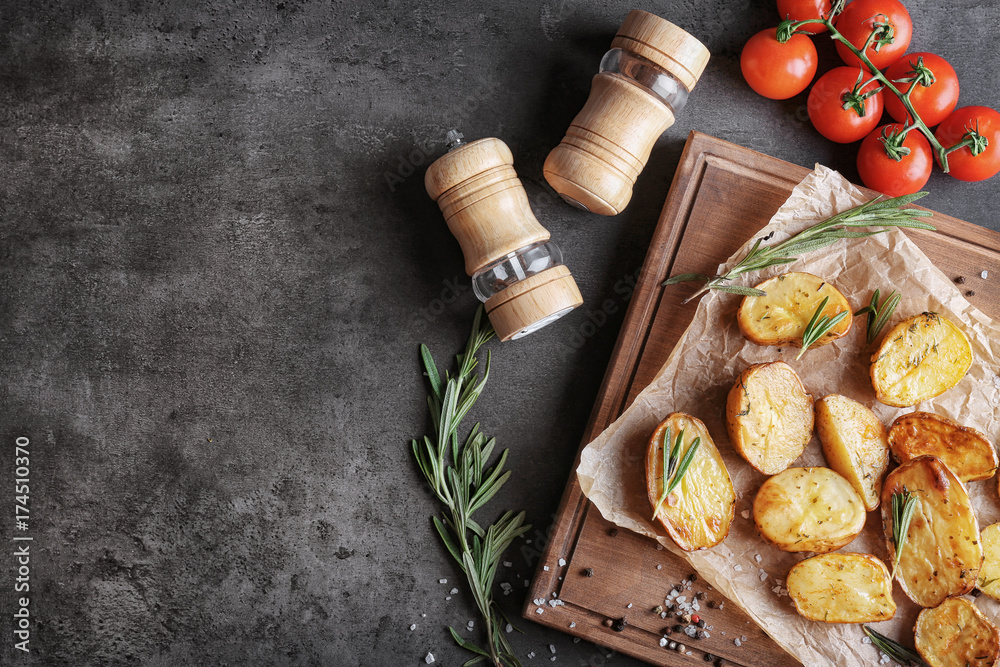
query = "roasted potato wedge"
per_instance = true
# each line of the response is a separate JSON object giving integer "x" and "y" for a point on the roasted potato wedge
{"x": 963, "y": 449}
{"x": 989, "y": 574}
{"x": 854, "y": 444}
{"x": 780, "y": 318}
{"x": 769, "y": 416}
{"x": 920, "y": 358}
{"x": 942, "y": 553}
{"x": 956, "y": 634}
{"x": 842, "y": 588}
{"x": 698, "y": 512}
{"x": 808, "y": 509}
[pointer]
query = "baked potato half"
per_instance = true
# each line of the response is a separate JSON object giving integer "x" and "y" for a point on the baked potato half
{"x": 963, "y": 449}
{"x": 842, "y": 588}
{"x": 808, "y": 509}
{"x": 698, "y": 512}
{"x": 989, "y": 574}
{"x": 769, "y": 416}
{"x": 942, "y": 554}
{"x": 781, "y": 317}
{"x": 956, "y": 634}
{"x": 854, "y": 444}
{"x": 920, "y": 358}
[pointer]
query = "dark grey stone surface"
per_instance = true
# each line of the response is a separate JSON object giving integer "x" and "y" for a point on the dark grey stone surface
{"x": 218, "y": 259}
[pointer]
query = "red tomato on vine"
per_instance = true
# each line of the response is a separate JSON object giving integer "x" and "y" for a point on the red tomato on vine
{"x": 888, "y": 17}
{"x": 935, "y": 92}
{"x": 980, "y": 126}
{"x": 881, "y": 171}
{"x": 826, "y": 105}
{"x": 775, "y": 70}
{"x": 803, "y": 10}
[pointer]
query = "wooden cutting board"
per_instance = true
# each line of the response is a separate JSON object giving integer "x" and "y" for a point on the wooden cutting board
{"x": 721, "y": 195}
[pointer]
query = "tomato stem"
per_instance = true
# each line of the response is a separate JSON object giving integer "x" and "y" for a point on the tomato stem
{"x": 836, "y": 35}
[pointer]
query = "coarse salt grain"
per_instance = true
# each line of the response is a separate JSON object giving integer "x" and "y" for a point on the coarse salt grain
{"x": 745, "y": 514}
{"x": 737, "y": 641}
{"x": 413, "y": 627}
{"x": 572, "y": 624}
{"x": 539, "y": 611}
{"x": 545, "y": 567}
{"x": 763, "y": 576}
{"x": 471, "y": 624}
{"x": 659, "y": 567}
{"x": 738, "y": 568}
{"x": 663, "y": 641}
{"x": 562, "y": 562}
{"x": 442, "y": 581}
{"x": 507, "y": 563}
{"x": 453, "y": 591}
{"x": 985, "y": 275}
{"x": 509, "y": 628}
{"x": 447, "y": 597}
{"x": 757, "y": 558}
{"x": 628, "y": 606}
{"x": 429, "y": 658}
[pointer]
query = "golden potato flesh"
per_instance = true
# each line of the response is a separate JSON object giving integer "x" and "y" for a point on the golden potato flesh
{"x": 854, "y": 444}
{"x": 808, "y": 509}
{"x": 842, "y": 588}
{"x": 920, "y": 358}
{"x": 942, "y": 553}
{"x": 965, "y": 450}
{"x": 698, "y": 512}
{"x": 956, "y": 634}
{"x": 989, "y": 574}
{"x": 769, "y": 416}
{"x": 781, "y": 317}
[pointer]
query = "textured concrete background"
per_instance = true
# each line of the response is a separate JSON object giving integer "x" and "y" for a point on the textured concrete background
{"x": 218, "y": 259}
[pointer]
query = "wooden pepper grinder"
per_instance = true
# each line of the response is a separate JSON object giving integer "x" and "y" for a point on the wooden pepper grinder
{"x": 515, "y": 269}
{"x": 644, "y": 81}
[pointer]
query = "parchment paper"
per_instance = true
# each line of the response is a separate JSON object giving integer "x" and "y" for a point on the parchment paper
{"x": 700, "y": 371}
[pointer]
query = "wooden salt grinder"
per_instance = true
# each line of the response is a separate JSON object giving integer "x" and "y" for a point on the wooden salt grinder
{"x": 515, "y": 269}
{"x": 644, "y": 81}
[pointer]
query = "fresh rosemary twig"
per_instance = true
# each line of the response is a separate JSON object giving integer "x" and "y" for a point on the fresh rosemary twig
{"x": 904, "y": 504}
{"x": 879, "y": 313}
{"x": 893, "y": 649}
{"x": 880, "y": 213}
{"x": 674, "y": 466}
{"x": 818, "y": 326}
{"x": 459, "y": 477}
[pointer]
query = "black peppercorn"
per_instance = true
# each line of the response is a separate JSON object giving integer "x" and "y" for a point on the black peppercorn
{"x": 708, "y": 657}
{"x": 613, "y": 532}
{"x": 619, "y": 624}
{"x": 678, "y": 628}
{"x": 970, "y": 293}
{"x": 589, "y": 572}
{"x": 701, "y": 623}
{"x": 693, "y": 577}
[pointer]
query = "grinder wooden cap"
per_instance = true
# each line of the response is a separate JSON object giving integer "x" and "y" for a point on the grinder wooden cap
{"x": 532, "y": 303}
{"x": 665, "y": 44}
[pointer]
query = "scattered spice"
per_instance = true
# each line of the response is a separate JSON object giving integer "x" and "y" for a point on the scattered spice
{"x": 613, "y": 532}
{"x": 658, "y": 609}
{"x": 975, "y": 592}
{"x": 708, "y": 657}
{"x": 619, "y": 624}
{"x": 960, "y": 280}
{"x": 970, "y": 293}
{"x": 589, "y": 572}
{"x": 608, "y": 622}
{"x": 681, "y": 648}
{"x": 693, "y": 576}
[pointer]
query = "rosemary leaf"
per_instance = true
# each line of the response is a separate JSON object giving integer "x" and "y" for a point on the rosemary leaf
{"x": 740, "y": 289}
{"x": 819, "y": 325}
{"x": 904, "y": 504}
{"x": 879, "y": 313}
{"x": 458, "y": 472}
{"x": 893, "y": 649}
{"x": 881, "y": 214}
{"x": 684, "y": 465}
{"x": 665, "y": 460}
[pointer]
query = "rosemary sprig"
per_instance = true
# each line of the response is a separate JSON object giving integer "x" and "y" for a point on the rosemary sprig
{"x": 819, "y": 325}
{"x": 459, "y": 476}
{"x": 879, "y": 213}
{"x": 893, "y": 649}
{"x": 879, "y": 313}
{"x": 674, "y": 466}
{"x": 904, "y": 504}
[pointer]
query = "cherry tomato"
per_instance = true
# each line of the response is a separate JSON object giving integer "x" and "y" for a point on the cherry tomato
{"x": 826, "y": 106}
{"x": 777, "y": 70}
{"x": 962, "y": 164}
{"x": 857, "y": 21}
{"x": 895, "y": 178}
{"x": 802, "y": 10}
{"x": 934, "y": 102}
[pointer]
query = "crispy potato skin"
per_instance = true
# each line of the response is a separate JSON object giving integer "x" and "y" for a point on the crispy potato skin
{"x": 842, "y": 588}
{"x": 920, "y": 358}
{"x": 780, "y": 318}
{"x": 854, "y": 444}
{"x": 956, "y": 634}
{"x": 808, "y": 509}
{"x": 942, "y": 554}
{"x": 699, "y": 512}
{"x": 769, "y": 416}
{"x": 989, "y": 574}
{"x": 963, "y": 449}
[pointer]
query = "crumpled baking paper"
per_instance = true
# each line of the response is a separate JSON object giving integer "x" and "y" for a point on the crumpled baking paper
{"x": 704, "y": 365}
